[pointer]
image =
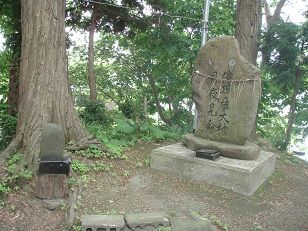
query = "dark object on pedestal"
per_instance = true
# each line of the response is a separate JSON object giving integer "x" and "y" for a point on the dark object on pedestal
{"x": 53, "y": 165}
{"x": 209, "y": 154}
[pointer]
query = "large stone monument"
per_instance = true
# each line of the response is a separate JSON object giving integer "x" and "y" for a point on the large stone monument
{"x": 226, "y": 91}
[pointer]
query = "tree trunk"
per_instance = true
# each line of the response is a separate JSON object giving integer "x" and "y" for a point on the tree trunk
{"x": 44, "y": 93}
{"x": 247, "y": 25}
{"x": 13, "y": 86}
{"x": 247, "y": 33}
{"x": 91, "y": 74}
{"x": 297, "y": 84}
{"x": 159, "y": 108}
{"x": 271, "y": 19}
{"x": 291, "y": 115}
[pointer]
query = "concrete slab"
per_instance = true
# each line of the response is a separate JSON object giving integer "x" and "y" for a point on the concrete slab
{"x": 103, "y": 223}
{"x": 241, "y": 176}
{"x": 146, "y": 221}
{"x": 191, "y": 224}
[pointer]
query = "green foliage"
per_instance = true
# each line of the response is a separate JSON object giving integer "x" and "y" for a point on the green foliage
{"x": 7, "y": 122}
{"x": 95, "y": 112}
{"x": 285, "y": 78}
{"x": 79, "y": 167}
{"x": 99, "y": 166}
{"x": 7, "y": 126}
{"x": 14, "y": 177}
{"x": 92, "y": 152}
{"x": 126, "y": 132}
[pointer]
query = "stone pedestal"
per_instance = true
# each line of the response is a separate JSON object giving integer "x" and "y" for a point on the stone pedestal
{"x": 51, "y": 186}
{"x": 241, "y": 176}
{"x": 248, "y": 151}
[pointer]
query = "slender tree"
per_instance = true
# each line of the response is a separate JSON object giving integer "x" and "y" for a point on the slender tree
{"x": 91, "y": 71}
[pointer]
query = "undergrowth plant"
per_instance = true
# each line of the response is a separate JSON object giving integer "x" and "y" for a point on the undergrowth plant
{"x": 126, "y": 132}
{"x": 14, "y": 176}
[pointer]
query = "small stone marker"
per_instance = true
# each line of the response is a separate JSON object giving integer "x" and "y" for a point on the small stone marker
{"x": 52, "y": 141}
{"x": 53, "y": 167}
{"x": 146, "y": 221}
{"x": 226, "y": 89}
{"x": 191, "y": 224}
{"x": 103, "y": 223}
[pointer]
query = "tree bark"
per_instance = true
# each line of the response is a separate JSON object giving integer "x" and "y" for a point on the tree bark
{"x": 13, "y": 86}
{"x": 44, "y": 93}
{"x": 247, "y": 32}
{"x": 91, "y": 71}
{"x": 247, "y": 25}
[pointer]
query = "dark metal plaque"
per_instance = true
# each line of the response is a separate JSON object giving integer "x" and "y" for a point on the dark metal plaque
{"x": 209, "y": 154}
{"x": 52, "y": 165}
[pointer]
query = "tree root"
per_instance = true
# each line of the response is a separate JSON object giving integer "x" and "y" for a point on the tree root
{"x": 13, "y": 147}
{"x": 85, "y": 143}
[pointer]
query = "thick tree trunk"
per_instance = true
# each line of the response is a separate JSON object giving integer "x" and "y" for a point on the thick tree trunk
{"x": 13, "y": 86}
{"x": 247, "y": 33}
{"x": 44, "y": 93}
{"x": 91, "y": 72}
{"x": 247, "y": 25}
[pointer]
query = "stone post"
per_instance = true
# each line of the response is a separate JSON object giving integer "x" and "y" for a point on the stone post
{"x": 50, "y": 182}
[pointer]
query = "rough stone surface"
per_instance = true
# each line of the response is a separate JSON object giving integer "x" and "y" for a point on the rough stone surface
{"x": 248, "y": 151}
{"x": 191, "y": 224}
{"x": 240, "y": 176}
{"x": 103, "y": 223}
{"x": 52, "y": 141}
{"x": 226, "y": 91}
{"x": 52, "y": 204}
{"x": 146, "y": 221}
{"x": 51, "y": 186}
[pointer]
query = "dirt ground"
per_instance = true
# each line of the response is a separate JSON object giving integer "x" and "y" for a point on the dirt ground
{"x": 281, "y": 204}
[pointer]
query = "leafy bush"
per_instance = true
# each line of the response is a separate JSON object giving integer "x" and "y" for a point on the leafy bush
{"x": 95, "y": 112}
{"x": 126, "y": 132}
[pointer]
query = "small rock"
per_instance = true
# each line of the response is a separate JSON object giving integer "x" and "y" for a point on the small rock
{"x": 52, "y": 204}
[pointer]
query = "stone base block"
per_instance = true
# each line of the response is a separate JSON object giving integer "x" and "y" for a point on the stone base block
{"x": 241, "y": 176}
{"x": 103, "y": 222}
{"x": 146, "y": 221}
{"x": 248, "y": 151}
